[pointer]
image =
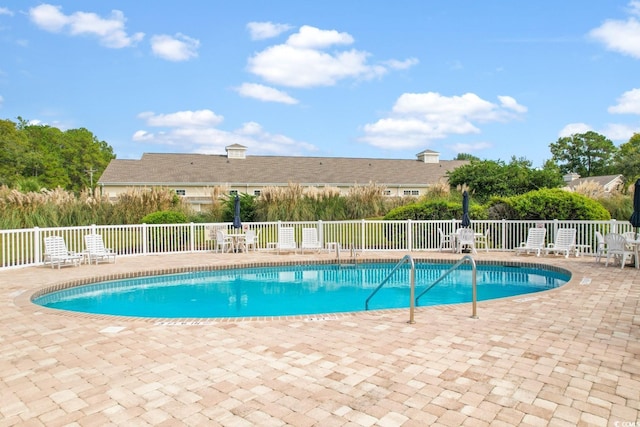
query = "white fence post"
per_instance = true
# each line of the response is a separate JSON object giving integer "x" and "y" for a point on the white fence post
{"x": 37, "y": 246}
{"x": 192, "y": 237}
{"x": 144, "y": 235}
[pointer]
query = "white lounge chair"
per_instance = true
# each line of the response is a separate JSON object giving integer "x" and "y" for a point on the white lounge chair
{"x": 286, "y": 239}
{"x": 616, "y": 247}
{"x": 466, "y": 238}
{"x": 310, "y": 240}
{"x": 56, "y": 253}
{"x": 565, "y": 242}
{"x": 96, "y": 250}
{"x": 535, "y": 241}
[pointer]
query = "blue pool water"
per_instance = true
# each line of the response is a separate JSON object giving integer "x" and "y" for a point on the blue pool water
{"x": 294, "y": 290}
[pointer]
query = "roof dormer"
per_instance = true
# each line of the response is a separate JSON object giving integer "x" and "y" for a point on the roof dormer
{"x": 428, "y": 156}
{"x": 236, "y": 151}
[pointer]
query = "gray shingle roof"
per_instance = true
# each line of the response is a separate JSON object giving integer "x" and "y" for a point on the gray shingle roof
{"x": 603, "y": 180}
{"x": 203, "y": 169}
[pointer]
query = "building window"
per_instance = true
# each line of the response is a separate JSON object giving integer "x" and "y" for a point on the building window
{"x": 181, "y": 192}
{"x": 233, "y": 192}
{"x": 257, "y": 193}
{"x": 387, "y": 192}
{"x": 411, "y": 192}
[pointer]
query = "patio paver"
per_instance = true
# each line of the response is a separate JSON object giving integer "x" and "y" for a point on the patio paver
{"x": 569, "y": 356}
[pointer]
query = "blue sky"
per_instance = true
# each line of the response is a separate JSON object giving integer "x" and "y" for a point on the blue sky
{"x": 372, "y": 78}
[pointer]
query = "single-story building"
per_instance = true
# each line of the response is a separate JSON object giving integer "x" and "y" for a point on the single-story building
{"x": 610, "y": 183}
{"x": 194, "y": 175}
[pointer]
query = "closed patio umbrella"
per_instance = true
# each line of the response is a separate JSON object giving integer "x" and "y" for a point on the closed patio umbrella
{"x": 635, "y": 217}
{"x": 466, "y": 221}
{"x": 236, "y": 215}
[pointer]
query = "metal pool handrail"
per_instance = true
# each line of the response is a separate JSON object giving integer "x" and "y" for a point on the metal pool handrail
{"x": 474, "y": 295}
{"x": 406, "y": 258}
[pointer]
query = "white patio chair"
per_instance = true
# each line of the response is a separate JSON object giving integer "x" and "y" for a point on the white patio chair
{"x": 56, "y": 253}
{"x": 96, "y": 251}
{"x": 446, "y": 242}
{"x": 224, "y": 242}
{"x": 466, "y": 239}
{"x": 250, "y": 240}
{"x": 565, "y": 242}
{"x": 310, "y": 240}
{"x": 483, "y": 239}
{"x": 600, "y": 246}
{"x": 535, "y": 241}
{"x": 616, "y": 247}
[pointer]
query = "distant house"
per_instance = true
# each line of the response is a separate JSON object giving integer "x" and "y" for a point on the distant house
{"x": 194, "y": 175}
{"x": 610, "y": 183}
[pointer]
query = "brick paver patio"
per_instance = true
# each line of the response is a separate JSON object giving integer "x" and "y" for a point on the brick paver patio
{"x": 570, "y": 357}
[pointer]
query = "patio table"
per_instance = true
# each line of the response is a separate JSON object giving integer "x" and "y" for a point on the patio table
{"x": 237, "y": 241}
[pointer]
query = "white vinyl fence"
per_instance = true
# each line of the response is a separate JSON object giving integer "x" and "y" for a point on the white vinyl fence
{"x": 22, "y": 248}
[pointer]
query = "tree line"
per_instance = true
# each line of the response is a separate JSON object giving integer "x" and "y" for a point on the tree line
{"x": 588, "y": 154}
{"x": 34, "y": 156}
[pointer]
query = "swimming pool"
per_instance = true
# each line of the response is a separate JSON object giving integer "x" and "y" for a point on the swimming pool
{"x": 296, "y": 290}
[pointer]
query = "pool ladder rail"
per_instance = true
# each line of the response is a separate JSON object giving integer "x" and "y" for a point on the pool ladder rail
{"x": 414, "y": 300}
{"x": 353, "y": 253}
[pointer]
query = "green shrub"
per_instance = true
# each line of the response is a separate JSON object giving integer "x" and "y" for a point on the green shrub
{"x": 247, "y": 208}
{"x": 551, "y": 204}
{"x": 620, "y": 206}
{"x": 435, "y": 210}
{"x": 165, "y": 217}
{"x": 166, "y": 239}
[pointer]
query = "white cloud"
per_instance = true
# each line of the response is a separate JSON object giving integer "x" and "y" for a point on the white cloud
{"x": 198, "y": 132}
{"x": 401, "y": 65}
{"x": 175, "y": 48}
{"x": 628, "y": 103}
{"x": 265, "y": 93}
{"x": 142, "y": 135}
{"x": 416, "y": 119}
{"x": 613, "y": 131}
{"x": 5, "y": 11}
{"x": 621, "y": 36}
{"x": 302, "y": 61}
{"x": 266, "y": 30}
{"x": 511, "y": 104}
{"x": 470, "y": 148}
{"x": 314, "y": 38}
{"x": 1, "y": 100}
{"x": 573, "y": 129}
{"x": 619, "y": 132}
{"x": 111, "y": 31}
{"x": 198, "y": 118}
